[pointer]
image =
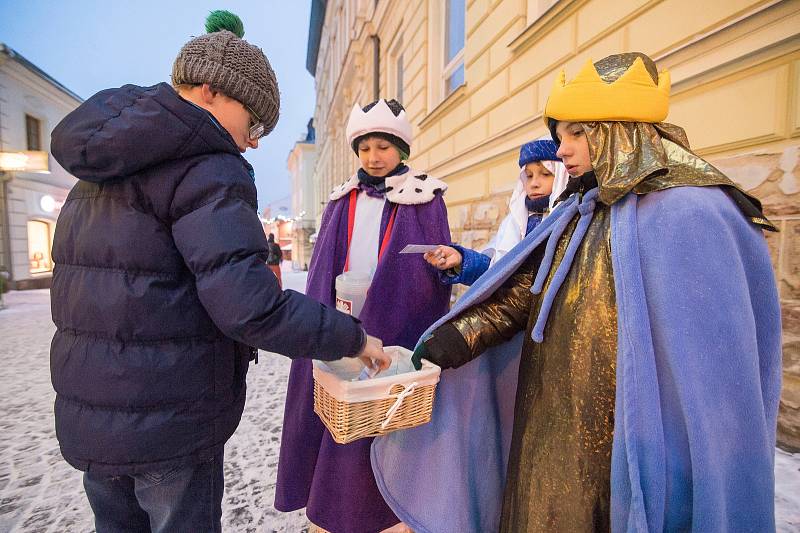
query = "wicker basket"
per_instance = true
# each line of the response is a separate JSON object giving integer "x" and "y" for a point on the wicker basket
{"x": 352, "y": 410}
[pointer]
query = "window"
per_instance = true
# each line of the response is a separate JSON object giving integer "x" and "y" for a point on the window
{"x": 455, "y": 32}
{"x": 399, "y": 81}
{"x": 39, "y": 247}
{"x": 446, "y": 38}
{"x": 33, "y": 128}
{"x": 396, "y": 70}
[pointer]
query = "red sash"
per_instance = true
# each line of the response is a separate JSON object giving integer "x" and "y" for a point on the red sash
{"x": 351, "y": 222}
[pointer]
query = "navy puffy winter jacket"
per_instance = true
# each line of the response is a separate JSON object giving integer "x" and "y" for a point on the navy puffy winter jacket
{"x": 160, "y": 286}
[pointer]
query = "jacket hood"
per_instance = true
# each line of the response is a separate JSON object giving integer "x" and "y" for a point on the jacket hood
{"x": 120, "y": 132}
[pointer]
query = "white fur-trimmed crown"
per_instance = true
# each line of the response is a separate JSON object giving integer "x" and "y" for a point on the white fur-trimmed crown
{"x": 379, "y": 118}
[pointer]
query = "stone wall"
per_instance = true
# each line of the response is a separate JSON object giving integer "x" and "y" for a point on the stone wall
{"x": 473, "y": 225}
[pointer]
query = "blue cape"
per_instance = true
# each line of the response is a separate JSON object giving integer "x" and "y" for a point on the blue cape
{"x": 698, "y": 381}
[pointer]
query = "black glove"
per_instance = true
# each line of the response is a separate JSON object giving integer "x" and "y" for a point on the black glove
{"x": 444, "y": 347}
{"x": 420, "y": 352}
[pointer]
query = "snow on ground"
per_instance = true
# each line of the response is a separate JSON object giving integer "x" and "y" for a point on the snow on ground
{"x": 787, "y": 491}
{"x": 39, "y": 492}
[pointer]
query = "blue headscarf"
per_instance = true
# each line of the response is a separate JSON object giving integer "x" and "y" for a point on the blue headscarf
{"x": 541, "y": 150}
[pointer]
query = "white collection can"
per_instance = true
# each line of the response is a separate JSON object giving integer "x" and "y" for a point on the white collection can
{"x": 351, "y": 292}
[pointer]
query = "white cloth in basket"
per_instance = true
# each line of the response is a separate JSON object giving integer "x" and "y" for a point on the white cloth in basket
{"x": 340, "y": 386}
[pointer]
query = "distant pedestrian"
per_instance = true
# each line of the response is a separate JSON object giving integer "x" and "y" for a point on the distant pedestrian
{"x": 160, "y": 291}
{"x": 274, "y": 257}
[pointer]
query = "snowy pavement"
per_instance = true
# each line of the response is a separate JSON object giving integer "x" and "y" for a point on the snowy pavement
{"x": 39, "y": 492}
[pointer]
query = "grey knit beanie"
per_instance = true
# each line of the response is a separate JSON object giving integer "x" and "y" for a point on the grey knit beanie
{"x": 232, "y": 65}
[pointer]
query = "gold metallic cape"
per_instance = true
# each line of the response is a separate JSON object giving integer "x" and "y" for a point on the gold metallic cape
{"x": 560, "y": 462}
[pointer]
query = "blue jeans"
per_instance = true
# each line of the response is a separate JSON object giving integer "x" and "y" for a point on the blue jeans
{"x": 186, "y": 498}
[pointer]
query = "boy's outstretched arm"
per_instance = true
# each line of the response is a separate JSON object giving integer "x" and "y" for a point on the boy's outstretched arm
{"x": 492, "y": 322}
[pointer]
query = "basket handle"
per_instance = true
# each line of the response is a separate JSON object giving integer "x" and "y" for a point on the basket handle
{"x": 407, "y": 391}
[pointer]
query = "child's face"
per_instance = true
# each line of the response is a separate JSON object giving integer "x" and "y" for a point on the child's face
{"x": 378, "y": 156}
{"x": 574, "y": 148}
{"x": 539, "y": 182}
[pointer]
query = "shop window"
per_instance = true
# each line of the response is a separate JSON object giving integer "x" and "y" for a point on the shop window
{"x": 39, "y": 247}
{"x": 33, "y": 128}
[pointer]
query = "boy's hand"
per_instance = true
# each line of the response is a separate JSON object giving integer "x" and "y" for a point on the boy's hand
{"x": 444, "y": 258}
{"x": 373, "y": 355}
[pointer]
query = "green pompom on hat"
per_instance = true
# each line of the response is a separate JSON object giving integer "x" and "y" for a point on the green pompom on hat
{"x": 224, "y": 20}
{"x": 230, "y": 64}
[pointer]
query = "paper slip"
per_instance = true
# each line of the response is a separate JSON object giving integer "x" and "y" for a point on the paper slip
{"x": 418, "y": 248}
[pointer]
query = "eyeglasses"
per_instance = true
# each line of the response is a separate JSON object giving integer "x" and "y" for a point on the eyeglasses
{"x": 256, "y": 126}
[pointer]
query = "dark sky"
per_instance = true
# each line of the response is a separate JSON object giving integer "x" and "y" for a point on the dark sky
{"x": 89, "y": 45}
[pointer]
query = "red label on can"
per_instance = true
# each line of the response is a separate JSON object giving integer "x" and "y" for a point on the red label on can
{"x": 345, "y": 306}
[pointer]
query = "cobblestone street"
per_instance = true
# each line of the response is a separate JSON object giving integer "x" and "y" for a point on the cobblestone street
{"x": 39, "y": 492}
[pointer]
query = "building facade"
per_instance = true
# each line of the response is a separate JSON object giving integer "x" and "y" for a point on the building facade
{"x": 300, "y": 164}
{"x": 474, "y": 76}
{"x": 33, "y": 186}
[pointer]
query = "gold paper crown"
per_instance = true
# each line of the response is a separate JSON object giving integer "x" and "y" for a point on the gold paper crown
{"x": 633, "y": 97}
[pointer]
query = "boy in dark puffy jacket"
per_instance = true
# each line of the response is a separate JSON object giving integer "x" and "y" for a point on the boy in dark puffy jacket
{"x": 160, "y": 292}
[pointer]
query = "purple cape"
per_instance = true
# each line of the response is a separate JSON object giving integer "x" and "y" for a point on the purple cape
{"x": 335, "y": 482}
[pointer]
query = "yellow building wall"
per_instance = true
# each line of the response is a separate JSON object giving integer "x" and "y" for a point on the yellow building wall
{"x": 735, "y": 67}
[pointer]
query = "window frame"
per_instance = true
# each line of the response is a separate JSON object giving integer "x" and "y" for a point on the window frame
{"x": 29, "y": 120}
{"x": 438, "y": 72}
{"x": 454, "y": 64}
{"x": 396, "y": 70}
{"x": 400, "y": 70}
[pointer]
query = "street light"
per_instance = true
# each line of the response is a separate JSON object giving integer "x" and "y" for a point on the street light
{"x": 47, "y": 203}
